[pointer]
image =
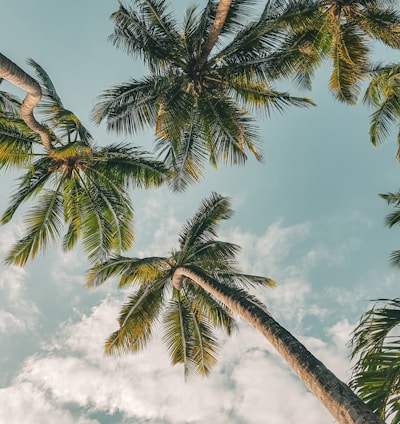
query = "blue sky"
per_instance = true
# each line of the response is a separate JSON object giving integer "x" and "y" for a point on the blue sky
{"x": 309, "y": 217}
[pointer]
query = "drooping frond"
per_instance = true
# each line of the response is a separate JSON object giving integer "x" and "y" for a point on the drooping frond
{"x": 128, "y": 165}
{"x": 130, "y": 270}
{"x": 229, "y": 132}
{"x": 375, "y": 345}
{"x": 383, "y": 93}
{"x": 177, "y": 333}
{"x": 382, "y": 24}
{"x": 16, "y": 143}
{"x": 8, "y": 102}
{"x": 137, "y": 320}
{"x": 43, "y": 224}
{"x": 215, "y": 312}
{"x": 349, "y": 63}
{"x": 30, "y": 184}
{"x": 184, "y": 155}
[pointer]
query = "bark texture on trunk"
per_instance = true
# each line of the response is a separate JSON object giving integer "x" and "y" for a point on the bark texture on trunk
{"x": 337, "y": 397}
{"x": 220, "y": 17}
{"x": 14, "y": 74}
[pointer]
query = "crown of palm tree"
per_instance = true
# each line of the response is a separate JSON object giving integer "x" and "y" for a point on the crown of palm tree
{"x": 198, "y": 103}
{"x": 375, "y": 344}
{"x": 186, "y": 312}
{"x": 74, "y": 182}
{"x": 383, "y": 93}
{"x": 343, "y": 31}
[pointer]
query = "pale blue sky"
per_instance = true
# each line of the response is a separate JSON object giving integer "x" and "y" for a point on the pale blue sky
{"x": 309, "y": 217}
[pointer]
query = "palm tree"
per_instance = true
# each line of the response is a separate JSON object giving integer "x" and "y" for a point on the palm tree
{"x": 392, "y": 219}
{"x": 342, "y": 31}
{"x": 72, "y": 181}
{"x": 376, "y": 346}
{"x": 198, "y": 288}
{"x": 383, "y": 93}
{"x": 196, "y": 97}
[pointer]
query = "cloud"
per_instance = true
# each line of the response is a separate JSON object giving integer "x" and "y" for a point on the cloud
{"x": 17, "y": 313}
{"x": 251, "y": 383}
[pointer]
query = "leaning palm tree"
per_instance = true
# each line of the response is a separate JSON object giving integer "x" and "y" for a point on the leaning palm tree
{"x": 376, "y": 346}
{"x": 197, "y": 98}
{"x": 72, "y": 181}
{"x": 383, "y": 93}
{"x": 342, "y": 31}
{"x": 198, "y": 288}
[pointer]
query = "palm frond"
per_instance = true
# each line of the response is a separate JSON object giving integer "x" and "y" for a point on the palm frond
{"x": 230, "y": 132}
{"x": 376, "y": 374}
{"x": 137, "y": 320}
{"x": 16, "y": 143}
{"x": 43, "y": 224}
{"x": 30, "y": 184}
{"x": 349, "y": 63}
{"x": 204, "y": 224}
{"x": 177, "y": 333}
{"x": 130, "y": 270}
{"x": 215, "y": 312}
{"x": 128, "y": 165}
{"x": 382, "y": 24}
{"x": 131, "y": 106}
{"x": 149, "y": 33}
{"x": 8, "y": 102}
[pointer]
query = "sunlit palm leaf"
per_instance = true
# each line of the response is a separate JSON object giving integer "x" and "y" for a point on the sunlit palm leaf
{"x": 31, "y": 183}
{"x": 137, "y": 320}
{"x": 130, "y": 270}
{"x": 15, "y": 144}
{"x": 349, "y": 64}
{"x": 177, "y": 333}
{"x": 43, "y": 224}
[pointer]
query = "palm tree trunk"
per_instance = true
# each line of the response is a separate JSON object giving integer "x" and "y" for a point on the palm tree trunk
{"x": 14, "y": 74}
{"x": 220, "y": 16}
{"x": 336, "y": 396}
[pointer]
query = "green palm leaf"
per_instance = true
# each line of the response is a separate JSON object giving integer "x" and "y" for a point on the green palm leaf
{"x": 31, "y": 184}
{"x": 16, "y": 143}
{"x": 177, "y": 333}
{"x": 43, "y": 224}
{"x": 137, "y": 320}
{"x": 376, "y": 374}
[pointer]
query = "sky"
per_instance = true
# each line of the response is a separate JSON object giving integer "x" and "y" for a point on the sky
{"x": 309, "y": 217}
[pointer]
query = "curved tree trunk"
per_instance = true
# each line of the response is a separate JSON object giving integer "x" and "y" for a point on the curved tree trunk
{"x": 336, "y": 396}
{"x": 14, "y": 74}
{"x": 220, "y": 16}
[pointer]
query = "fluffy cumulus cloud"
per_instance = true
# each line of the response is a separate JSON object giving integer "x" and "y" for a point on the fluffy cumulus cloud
{"x": 250, "y": 385}
{"x": 17, "y": 312}
{"x": 70, "y": 380}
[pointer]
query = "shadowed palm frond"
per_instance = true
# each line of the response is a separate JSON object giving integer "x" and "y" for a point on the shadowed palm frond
{"x": 376, "y": 347}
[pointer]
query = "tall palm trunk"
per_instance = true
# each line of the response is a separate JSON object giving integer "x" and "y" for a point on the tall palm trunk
{"x": 14, "y": 74}
{"x": 220, "y": 16}
{"x": 336, "y": 396}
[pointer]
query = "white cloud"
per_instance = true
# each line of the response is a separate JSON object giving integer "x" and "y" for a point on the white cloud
{"x": 250, "y": 383}
{"x": 17, "y": 313}
{"x": 23, "y": 403}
